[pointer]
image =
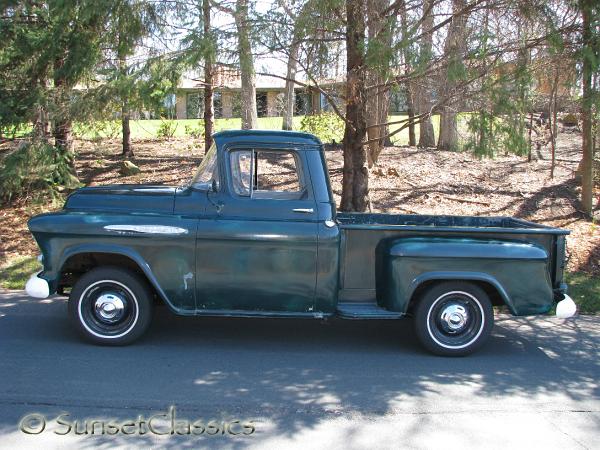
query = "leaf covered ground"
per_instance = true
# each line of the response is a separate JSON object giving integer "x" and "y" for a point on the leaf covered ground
{"x": 406, "y": 180}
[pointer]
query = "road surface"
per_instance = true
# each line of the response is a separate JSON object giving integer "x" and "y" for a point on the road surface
{"x": 294, "y": 383}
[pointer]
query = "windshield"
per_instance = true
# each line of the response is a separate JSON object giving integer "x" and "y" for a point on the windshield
{"x": 208, "y": 170}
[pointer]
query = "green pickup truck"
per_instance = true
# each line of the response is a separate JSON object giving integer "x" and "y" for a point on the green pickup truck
{"x": 256, "y": 234}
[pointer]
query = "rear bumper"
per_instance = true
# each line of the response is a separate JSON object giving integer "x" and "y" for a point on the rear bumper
{"x": 566, "y": 308}
{"x": 37, "y": 287}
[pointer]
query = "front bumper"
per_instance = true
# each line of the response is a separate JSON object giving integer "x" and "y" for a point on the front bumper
{"x": 37, "y": 287}
{"x": 566, "y": 308}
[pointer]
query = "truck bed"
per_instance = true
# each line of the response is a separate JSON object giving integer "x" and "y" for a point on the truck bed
{"x": 361, "y": 234}
{"x": 359, "y": 220}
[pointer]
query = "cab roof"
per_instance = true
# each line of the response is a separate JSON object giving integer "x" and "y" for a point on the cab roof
{"x": 296, "y": 138}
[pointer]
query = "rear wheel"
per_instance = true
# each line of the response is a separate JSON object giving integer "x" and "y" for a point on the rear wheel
{"x": 454, "y": 318}
{"x": 111, "y": 306}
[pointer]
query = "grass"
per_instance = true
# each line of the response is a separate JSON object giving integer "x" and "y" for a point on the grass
{"x": 148, "y": 129}
{"x": 584, "y": 289}
{"x": 16, "y": 271}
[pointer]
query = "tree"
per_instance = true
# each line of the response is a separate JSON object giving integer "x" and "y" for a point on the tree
{"x": 355, "y": 182}
{"x": 209, "y": 59}
{"x": 590, "y": 55}
{"x": 423, "y": 85}
{"x": 407, "y": 58}
{"x": 76, "y": 29}
{"x": 130, "y": 21}
{"x": 379, "y": 55}
{"x": 455, "y": 47}
{"x": 289, "y": 94}
{"x": 248, "y": 75}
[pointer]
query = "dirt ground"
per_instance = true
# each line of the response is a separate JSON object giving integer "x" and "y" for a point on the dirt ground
{"x": 406, "y": 180}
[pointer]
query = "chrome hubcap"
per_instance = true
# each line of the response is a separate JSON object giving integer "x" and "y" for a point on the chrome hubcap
{"x": 454, "y": 317}
{"x": 109, "y": 307}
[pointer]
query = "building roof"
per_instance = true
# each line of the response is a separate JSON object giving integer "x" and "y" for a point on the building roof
{"x": 229, "y": 78}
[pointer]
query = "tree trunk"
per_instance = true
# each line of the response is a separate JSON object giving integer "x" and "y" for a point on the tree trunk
{"x": 454, "y": 46}
{"x": 355, "y": 183}
{"x": 553, "y": 119}
{"x": 448, "y": 139}
{"x": 410, "y": 112}
{"x": 529, "y": 143}
{"x": 209, "y": 115}
{"x": 378, "y": 98}
{"x": 587, "y": 161}
{"x": 41, "y": 125}
{"x": 62, "y": 118}
{"x": 410, "y": 106}
{"x": 127, "y": 150}
{"x": 248, "y": 76}
{"x": 423, "y": 91}
{"x": 289, "y": 99}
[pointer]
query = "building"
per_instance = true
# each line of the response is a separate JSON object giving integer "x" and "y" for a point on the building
{"x": 189, "y": 102}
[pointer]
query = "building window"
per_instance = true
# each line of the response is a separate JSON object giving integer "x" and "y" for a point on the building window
{"x": 300, "y": 108}
{"x": 217, "y": 105}
{"x": 168, "y": 109}
{"x": 194, "y": 105}
{"x": 261, "y": 104}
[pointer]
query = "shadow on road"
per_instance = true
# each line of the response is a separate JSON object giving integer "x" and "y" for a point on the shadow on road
{"x": 290, "y": 372}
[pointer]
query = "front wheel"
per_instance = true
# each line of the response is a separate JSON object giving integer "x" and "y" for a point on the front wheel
{"x": 454, "y": 318}
{"x": 111, "y": 306}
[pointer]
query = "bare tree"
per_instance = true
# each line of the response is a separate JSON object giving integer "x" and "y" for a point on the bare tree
{"x": 587, "y": 160}
{"x": 289, "y": 95}
{"x": 209, "y": 55}
{"x": 454, "y": 49}
{"x": 423, "y": 87}
{"x": 380, "y": 29}
{"x": 409, "y": 88}
{"x": 248, "y": 76}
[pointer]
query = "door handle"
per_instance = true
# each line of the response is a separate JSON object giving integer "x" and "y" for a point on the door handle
{"x": 304, "y": 210}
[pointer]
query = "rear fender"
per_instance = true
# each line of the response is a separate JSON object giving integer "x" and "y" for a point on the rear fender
{"x": 518, "y": 271}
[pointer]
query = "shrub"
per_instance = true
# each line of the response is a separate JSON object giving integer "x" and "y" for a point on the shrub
{"x": 328, "y": 127}
{"x": 36, "y": 167}
{"x": 166, "y": 129}
{"x": 196, "y": 133}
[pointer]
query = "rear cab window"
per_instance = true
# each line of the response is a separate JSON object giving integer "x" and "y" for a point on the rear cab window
{"x": 267, "y": 174}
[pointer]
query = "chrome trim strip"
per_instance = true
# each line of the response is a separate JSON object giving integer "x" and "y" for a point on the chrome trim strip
{"x": 146, "y": 229}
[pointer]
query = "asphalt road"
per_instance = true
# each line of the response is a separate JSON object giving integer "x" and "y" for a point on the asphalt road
{"x": 303, "y": 384}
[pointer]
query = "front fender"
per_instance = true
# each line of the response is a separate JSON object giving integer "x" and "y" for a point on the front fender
{"x": 163, "y": 247}
{"x": 53, "y": 276}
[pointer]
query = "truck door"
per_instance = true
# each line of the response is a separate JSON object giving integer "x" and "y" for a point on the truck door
{"x": 258, "y": 251}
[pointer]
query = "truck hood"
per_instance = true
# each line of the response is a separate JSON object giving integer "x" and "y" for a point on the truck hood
{"x": 124, "y": 197}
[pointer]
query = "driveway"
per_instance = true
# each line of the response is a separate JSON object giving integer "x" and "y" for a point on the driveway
{"x": 297, "y": 383}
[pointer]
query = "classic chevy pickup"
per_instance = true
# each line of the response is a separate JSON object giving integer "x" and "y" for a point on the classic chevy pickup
{"x": 256, "y": 234}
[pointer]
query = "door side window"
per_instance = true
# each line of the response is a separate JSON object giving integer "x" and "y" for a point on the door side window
{"x": 267, "y": 174}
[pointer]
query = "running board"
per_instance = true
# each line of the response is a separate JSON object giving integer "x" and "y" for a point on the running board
{"x": 365, "y": 311}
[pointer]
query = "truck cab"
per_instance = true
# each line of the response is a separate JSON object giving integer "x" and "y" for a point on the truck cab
{"x": 266, "y": 238}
